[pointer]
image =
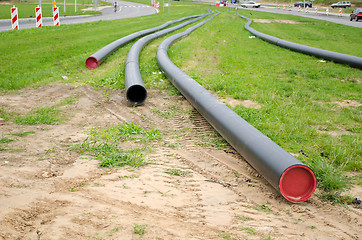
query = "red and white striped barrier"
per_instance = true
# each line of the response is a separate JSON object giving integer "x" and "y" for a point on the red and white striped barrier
{"x": 316, "y": 10}
{"x": 299, "y": 8}
{"x": 56, "y": 16}
{"x": 307, "y": 9}
{"x": 283, "y": 6}
{"x": 290, "y": 8}
{"x": 39, "y": 21}
{"x": 14, "y": 18}
{"x": 278, "y": 6}
{"x": 340, "y": 12}
{"x": 327, "y": 12}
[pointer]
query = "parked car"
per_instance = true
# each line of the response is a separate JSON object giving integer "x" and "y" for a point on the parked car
{"x": 342, "y": 4}
{"x": 356, "y": 14}
{"x": 223, "y": 3}
{"x": 250, "y": 5}
{"x": 307, "y": 4}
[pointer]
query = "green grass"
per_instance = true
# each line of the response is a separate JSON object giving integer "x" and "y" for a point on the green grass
{"x": 139, "y": 229}
{"x": 23, "y": 134}
{"x": 48, "y": 54}
{"x": 178, "y": 172}
{"x": 309, "y": 32}
{"x": 3, "y": 142}
{"x": 299, "y": 95}
{"x": 50, "y": 115}
{"x": 26, "y": 9}
{"x": 103, "y": 144}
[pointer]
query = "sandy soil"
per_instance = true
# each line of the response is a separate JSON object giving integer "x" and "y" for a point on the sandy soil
{"x": 48, "y": 192}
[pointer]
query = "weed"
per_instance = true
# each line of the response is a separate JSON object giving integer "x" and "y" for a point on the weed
{"x": 42, "y": 115}
{"x": 74, "y": 188}
{"x": 173, "y": 145}
{"x": 335, "y": 197}
{"x": 177, "y": 172}
{"x": 103, "y": 145}
{"x": 113, "y": 231}
{"x": 226, "y": 236}
{"x": 252, "y": 231}
{"x": 139, "y": 229}
{"x": 4, "y": 139}
{"x": 67, "y": 101}
{"x": 23, "y": 134}
{"x": 263, "y": 207}
{"x": 3, "y": 142}
{"x": 44, "y": 154}
{"x": 164, "y": 194}
{"x": 242, "y": 218}
{"x": 95, "y": 184}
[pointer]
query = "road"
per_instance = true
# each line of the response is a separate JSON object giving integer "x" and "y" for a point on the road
{"x": 126, "y": 10}
{"x": 332, "y": 17}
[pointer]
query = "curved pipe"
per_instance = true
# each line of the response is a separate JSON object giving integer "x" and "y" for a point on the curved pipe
{"x": 97, "y": 58}
{"x": 294, "y": 180}
{"x": 135, "y": 91}
{"x": 353, "y": 61}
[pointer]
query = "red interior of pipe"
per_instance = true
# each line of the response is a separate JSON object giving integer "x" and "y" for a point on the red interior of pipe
{"x": 91, "y": 62}
{"x": 297, "y": 183}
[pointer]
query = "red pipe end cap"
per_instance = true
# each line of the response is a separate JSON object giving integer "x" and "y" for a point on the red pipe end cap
{"x": 297, "y": 183}
{"x": 91, "y": 62}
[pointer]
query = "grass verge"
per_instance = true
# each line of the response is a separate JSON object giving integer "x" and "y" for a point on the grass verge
{"x": 309, "y": 107}
{"x": 26, "y": 9}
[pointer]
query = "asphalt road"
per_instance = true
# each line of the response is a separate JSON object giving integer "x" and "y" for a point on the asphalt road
{"x": 125, "y": 10}
{"x": 332, "y": 17}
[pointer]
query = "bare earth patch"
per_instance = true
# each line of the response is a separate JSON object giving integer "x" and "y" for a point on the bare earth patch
{"x": 349, "y": 103}
{"x": 246, "y": 103}
{"x": 49, "y": 192}
{"x": 276, "y": 20}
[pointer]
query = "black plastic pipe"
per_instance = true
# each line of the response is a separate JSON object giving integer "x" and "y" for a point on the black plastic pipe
{"x": 135, "y": 91}
{"x": 353, "y": 61}
{"x": 294, "y": 180}
{"x": 98, "y": 57}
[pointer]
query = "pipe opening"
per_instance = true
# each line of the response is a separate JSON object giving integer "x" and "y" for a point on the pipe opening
{"x": 91, "y": 62}
{"x": 136, "y": 95}
{"x": 297, "y": 183}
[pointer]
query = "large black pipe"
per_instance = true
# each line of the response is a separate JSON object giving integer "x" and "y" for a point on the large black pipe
{"x": 294, "y": 180}
{"x": 353, "y": 61}
{"x": 135, "y": 91}
{"x": 96, "y": 58}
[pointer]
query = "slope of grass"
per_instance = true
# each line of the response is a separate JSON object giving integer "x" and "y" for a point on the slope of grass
{"x": 26, "y": 9}
{"x": 49, "y": 53}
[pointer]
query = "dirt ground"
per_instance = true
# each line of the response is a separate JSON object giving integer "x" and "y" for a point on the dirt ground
{"x": 49, "y": 192}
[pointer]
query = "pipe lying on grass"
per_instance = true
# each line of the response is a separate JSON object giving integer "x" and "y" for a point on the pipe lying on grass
{"x": 294, "y": 180}
{"x": 96, "y": 58}
{"x": 135, "y": 91}
{"x": 353, "y": 61}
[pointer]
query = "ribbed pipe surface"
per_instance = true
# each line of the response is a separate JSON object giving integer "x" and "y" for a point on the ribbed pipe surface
{"x": 353, "y": 61}
{"x": 135, "y": 91}
{"x": 294, "y": 180}
{"x": 98, "y": 57}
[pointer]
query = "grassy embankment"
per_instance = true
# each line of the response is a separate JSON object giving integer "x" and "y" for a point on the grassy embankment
{"x": 300, "y": 97}
{"x": 26, "y": 8}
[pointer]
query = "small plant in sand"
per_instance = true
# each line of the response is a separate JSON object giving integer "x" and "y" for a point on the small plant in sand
{"x": 139, "y": 229}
